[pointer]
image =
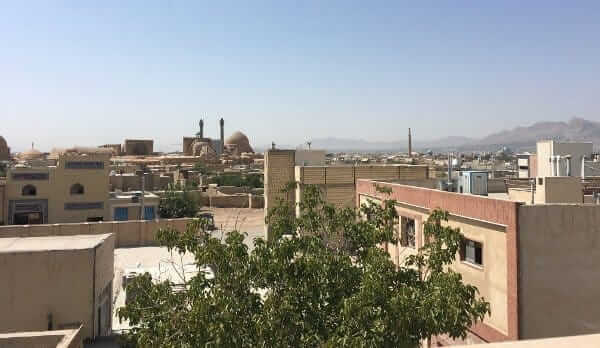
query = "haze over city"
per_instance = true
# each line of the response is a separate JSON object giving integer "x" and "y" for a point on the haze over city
{"x": 95, "y": 73}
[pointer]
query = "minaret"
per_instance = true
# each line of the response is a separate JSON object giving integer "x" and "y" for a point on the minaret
{"x": 201, "y": 129}
{"x": 409, "y": 144}
{"x": 222, "y": 123}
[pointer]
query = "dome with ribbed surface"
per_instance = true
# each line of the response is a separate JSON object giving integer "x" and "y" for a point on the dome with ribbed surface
{"x": 240, "y": 140}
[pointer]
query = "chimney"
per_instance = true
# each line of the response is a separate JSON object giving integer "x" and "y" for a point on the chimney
{"x": 201, "y": 129}
{"x": 409, "y": 144}
{"x": 222, "y": 123}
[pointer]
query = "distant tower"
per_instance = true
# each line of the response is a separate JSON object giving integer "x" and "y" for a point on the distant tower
{"x": 201, "y": 133}
{"x": 409, "y": 144}
{"x": 222, "y": 123}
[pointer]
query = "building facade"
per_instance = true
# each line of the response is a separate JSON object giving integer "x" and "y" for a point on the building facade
{"x": 533, "y": 263}
{"x": 73, "y": 190}
{"x": 138, "y": 147}
{"x": 337, "y": 183}
{"x": 561, "y": 158}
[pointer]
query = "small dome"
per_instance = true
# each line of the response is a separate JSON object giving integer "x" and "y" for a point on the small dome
{"x": 241, "y": 140}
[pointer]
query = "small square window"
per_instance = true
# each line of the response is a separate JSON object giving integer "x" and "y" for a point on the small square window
{"x": 471, "y": 252}
{"x": 540, "y": 181}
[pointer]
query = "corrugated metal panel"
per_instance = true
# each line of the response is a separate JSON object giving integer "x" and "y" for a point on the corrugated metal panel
{"x": 339, "y": 175}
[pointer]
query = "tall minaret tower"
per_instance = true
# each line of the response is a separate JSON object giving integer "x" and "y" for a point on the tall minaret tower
{"x": 222, "y": 123}
{"x": 409, "y": 144}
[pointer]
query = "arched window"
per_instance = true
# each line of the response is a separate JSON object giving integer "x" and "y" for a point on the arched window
{"x": 77, "y": 189}
{"x": 29, "y": 190}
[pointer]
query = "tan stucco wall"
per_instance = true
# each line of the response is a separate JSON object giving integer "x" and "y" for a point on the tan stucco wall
{"x": 127, "y": 233}
{"x": 489, "y": 279}
{"x": 559, "y": 274}
{"x": 59, "y": 282}
{"x": 558, "y": 189}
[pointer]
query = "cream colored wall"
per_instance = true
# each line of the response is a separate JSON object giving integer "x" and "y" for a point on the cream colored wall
{"x": 559, "y": 277}
{"x": 489, "y": 279}
{"x": 544, "y": 151}
{"x": 104, "y": 264}
{"x": 39, "y": 283}
{"x": 127, "y": 233}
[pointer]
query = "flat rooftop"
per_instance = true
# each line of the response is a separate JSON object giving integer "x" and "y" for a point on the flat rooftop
{"x": 52, "y": 243}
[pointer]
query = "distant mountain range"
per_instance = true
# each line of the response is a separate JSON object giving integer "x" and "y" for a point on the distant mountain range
{"x": 517, "y": 139}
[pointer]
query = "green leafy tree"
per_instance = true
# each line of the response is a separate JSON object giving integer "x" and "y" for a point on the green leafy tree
{"x": 239, "y": 180}
{"x": 322, "y": 280}
{"x": 176, "y": 203}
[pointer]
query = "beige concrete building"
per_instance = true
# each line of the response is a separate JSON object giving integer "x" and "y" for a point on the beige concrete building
{"x": 76, "y": 187}
{"x": 526, "y": 165}
{"x": 125, "y": 206}
{"x": 56, "y": 283}
{"x": 561, "y": 158}
{"x": 534, "y": 263}
{"x": 73, "y": 190}
{"x": 138, "y": 147}
{"x": 338, "y": 183}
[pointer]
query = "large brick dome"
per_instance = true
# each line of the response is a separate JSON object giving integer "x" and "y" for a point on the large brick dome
{"x": 241, "y": 141}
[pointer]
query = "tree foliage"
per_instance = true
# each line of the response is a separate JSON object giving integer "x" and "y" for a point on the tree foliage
{"x": 239, "y": 180}
{"x": 177, "y": 204}
{"x": 329, "y": 284}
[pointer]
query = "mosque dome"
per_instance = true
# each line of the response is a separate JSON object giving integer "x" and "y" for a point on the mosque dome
{"x": 240, "y": 140}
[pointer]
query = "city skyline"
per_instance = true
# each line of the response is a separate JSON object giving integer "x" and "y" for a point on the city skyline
{"x": 81, "y": 74}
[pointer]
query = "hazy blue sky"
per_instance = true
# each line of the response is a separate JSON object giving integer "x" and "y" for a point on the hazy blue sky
{"x": 88, "y": 73}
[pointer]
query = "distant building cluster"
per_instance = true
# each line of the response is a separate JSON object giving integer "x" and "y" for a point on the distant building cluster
{"x": 528, "y": 222}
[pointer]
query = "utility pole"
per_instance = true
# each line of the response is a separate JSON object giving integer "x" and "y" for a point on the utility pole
{"x": 309, "y": 143}
{"x": 142, "y": 209}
